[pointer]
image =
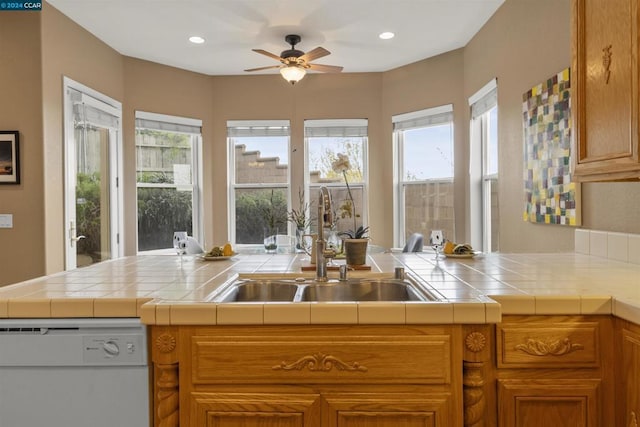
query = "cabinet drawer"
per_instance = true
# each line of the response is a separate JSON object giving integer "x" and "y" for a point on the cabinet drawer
{"x": 548, "y": 345}
{"x": 321, "y": 359}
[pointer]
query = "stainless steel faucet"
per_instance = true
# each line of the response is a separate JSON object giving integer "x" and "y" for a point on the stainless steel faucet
{"x": 325, "y": 219}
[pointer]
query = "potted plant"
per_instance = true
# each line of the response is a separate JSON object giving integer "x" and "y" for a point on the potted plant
{"x": 355, "y": 241}
{"x": 355, "y": 245}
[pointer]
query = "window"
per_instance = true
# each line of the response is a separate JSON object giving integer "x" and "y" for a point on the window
{"x": 259, "y": 179}
{"x": 324, "y": 140}
{"x": 484, "y": 168}
{"x": 168, "y": 179}
{"x": 424, "y": 173}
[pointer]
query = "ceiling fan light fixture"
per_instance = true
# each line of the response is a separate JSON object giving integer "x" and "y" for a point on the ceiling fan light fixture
{"x": 293, "y": 73}
{"x": 196, "y": 39}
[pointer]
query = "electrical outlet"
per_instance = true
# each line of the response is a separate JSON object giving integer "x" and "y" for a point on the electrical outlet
{"x": 6, "y": 220}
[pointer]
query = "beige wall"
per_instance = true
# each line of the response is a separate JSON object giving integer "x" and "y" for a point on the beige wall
{"x": 425, "y": 84}
{"x": 67, "y": 50}
{"x": 161, "y": 89}
{"x": 22, "y": 249}
{"x": 524, "y": 43}
{"x": 520, "y": 46}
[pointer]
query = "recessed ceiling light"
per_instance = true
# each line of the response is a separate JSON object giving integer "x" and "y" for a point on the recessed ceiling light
{"x": 386, "y": 35}
{"x": 196, "y": 39}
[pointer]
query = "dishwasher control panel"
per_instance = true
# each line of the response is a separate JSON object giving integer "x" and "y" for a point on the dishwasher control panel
{"x": 125, "y": 349}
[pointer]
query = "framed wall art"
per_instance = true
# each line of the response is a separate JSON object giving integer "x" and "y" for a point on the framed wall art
{"x": 9, "y": 157}
{"x": 551, "y": 194}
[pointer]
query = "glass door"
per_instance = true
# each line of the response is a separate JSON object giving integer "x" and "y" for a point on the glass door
{"x": 92, "y": 135}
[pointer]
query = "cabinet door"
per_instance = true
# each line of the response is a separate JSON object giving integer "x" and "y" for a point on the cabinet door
{"x": 388, "y": 410}
{"x": 605, "y": 89}
{"x": 630, "y": 374}
{"x": 254, "y": 410}
{"x": 557, "y": 403}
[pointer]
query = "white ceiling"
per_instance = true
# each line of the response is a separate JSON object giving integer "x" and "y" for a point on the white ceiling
{"x": 158, "y": 30}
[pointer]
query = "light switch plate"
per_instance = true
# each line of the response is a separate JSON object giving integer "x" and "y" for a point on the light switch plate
{"x": 6, "y": 220}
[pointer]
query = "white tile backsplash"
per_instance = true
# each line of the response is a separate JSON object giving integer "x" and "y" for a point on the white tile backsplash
{"x": 616, "y": 246}
{"x": 598, "y": 243}
{"x": 581, "y": 244}
{"x": 634, "y": 248}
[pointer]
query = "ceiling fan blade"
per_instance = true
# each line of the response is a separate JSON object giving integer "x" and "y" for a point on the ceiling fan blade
{"x": 316, "y": 53}
{"x": 263, "y": 68}
{"x": 269, "y": 54}
{"x": 325, "y": 68}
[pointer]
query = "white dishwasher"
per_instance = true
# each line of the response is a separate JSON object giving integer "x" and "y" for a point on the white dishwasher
{"x": 73, "y": 373}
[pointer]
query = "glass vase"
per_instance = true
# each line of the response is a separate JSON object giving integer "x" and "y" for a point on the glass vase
{"x": 270, "y": 239}
{"x": 299, "y": 244}
{"x": 334, "y": 241}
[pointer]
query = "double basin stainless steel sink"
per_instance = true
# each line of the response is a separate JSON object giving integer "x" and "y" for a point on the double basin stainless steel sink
{"x": 294, "y": 288}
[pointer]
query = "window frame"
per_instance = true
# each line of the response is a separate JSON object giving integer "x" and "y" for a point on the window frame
{"x": 177, "y": 124}
{"x": 401, "y": 123}
{"x": 482, "y": 103}
{"x": 312, "y": 198}
{"x": 231, "y": 175}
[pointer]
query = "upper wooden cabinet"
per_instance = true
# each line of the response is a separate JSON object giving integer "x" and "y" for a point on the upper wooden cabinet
{"x": 605, "y": 89}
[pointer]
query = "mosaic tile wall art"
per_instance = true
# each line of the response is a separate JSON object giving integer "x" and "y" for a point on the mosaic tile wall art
{"x": 551, "y": 195}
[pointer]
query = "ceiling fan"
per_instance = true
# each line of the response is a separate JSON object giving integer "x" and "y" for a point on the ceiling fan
{"x": 295, "y": 63}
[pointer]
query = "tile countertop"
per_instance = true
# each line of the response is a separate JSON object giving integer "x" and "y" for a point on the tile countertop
{"x": 160, "y": 289}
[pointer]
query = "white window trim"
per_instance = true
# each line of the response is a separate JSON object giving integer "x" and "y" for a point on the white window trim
{"x": 197, "y": 208}
{"x": 98, "y": 100}
{"x": 156, "y": 117}
{"x": 364, "y": 210}
{"x": 231, "y": 175}
{"x": 479, "y": 225}
{"x": 398, "y": 170}
{"x": 413, "y": 115}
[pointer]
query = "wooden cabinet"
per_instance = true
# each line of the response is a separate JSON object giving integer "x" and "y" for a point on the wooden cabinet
{"x": 526, "y": 371}
{"x": 557, "y": 402}
{"x": 628, "y": 374}
{"x": 386, "y": 410}
{"x": 555, "y": 371}
{"x": 254, "y": 409}
{"x": 286, "y": 376}
{"x": 605, "y": 98}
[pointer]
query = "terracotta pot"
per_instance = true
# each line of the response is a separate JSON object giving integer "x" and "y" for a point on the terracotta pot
{"x": 355, "y": 251}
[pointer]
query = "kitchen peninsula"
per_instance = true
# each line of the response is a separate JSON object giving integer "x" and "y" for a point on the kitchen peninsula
{"x": 525, "y": 328}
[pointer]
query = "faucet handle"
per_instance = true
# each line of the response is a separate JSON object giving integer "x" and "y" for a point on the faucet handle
{"x": 329, "y": 253}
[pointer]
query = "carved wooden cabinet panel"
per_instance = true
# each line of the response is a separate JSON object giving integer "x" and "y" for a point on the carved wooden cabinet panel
{"x": 386, "y": 410}
{"x": 545, "y": 344}
{"x": 555, "y": 371}
{"x": 254, "y": 409}
{"x": 629, "y": 375}
{"x": 323, "y": 359}
{"x": 336, "y": 376}
{"x": 605, "y": 89}
{"x": 557, "y": 403}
